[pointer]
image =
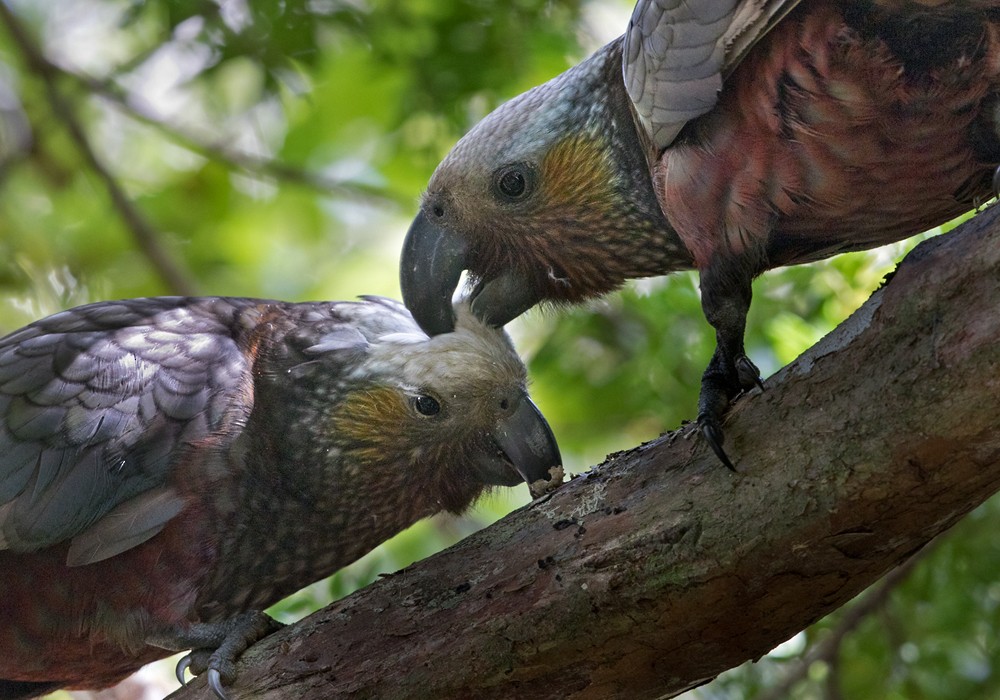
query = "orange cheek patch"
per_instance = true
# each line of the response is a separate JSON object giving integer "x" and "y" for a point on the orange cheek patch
{"x": 576, "y": 178}
{"x": 577, "y": 213}
{"x": 560, "y": 239}
{"x": 371, "y": 422}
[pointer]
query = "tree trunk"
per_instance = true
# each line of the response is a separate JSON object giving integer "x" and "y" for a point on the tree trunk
{"x": 659, "y": 569}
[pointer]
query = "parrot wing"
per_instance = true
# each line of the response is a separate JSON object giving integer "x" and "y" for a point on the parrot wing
{"x": 96, "y": 406}
{"x": 677, "y": 53}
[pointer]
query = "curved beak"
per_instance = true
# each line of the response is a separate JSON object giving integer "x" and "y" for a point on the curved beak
{"x": 429, "y": 269}
{"x": 528, "y": 445}
{"x": 503, "y": 298}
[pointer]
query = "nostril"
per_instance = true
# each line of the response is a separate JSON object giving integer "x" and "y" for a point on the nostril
{"x": 504, "y": 404}
{"x": 438, "y": 210}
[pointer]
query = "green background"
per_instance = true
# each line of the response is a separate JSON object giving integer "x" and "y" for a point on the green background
{"x": 278, "y": 149}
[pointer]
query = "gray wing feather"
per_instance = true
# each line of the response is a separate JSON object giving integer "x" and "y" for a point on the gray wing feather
{"x": 95, "y": 403}
{"x": 677, "y": 53}
{"x": 127, "y": 525}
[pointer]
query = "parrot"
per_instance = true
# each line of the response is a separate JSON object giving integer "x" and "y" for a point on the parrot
{"x": 729, "y": 137}
{"x": 171, "y": 466}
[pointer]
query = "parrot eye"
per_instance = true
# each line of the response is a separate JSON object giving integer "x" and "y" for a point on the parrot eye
{"x": 426, "y": 405}
{"x": 513, "y": 182}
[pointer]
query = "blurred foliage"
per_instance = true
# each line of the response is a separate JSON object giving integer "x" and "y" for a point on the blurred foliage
{"x": 277, "y": 148}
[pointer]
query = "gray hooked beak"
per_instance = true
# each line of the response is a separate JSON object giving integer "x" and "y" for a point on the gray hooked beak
{"x": 527, "y": 443}
{"x": 429, "y": 270}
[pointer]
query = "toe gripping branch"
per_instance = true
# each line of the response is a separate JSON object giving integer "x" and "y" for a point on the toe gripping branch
{"x": 216, "y": 646}
{"x": 725, "y": 299}
{"x": 719, "y": 386}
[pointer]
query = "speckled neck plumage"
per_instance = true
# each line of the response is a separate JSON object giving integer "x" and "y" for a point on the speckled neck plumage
{"x": 661, "y": 249}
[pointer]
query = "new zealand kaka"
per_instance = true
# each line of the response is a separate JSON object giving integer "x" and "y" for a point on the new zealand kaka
{"x": 171, "y": 466}
{"x": 726, "y": 136}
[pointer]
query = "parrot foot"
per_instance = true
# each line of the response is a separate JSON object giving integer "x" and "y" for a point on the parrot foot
{"x": 215, "y": 647}
{"x": 725, "y": 298}
{"x": 719, "y": 386}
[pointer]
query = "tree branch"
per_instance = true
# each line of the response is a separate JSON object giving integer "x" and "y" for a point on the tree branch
{"x": 828, "y": 648}
{"x": 659, "y": 569}
{"x": 145, "y": 236}
{"x": 236, "y": 160}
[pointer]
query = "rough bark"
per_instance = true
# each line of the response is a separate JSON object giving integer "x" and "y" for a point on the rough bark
{"x": 660, "y": 569}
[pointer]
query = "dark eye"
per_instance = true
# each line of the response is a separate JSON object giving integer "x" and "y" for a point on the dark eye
{"x": 426, "y": 405}
{"x": 513, "y": 182}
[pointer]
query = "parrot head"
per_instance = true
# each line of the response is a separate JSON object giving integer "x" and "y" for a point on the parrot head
{"x": 451, "y": 412}
{"x": 549, "y": 198}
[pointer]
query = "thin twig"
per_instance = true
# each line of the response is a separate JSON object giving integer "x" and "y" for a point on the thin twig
{"x": 146, "y": 237}
{"x": 828, "y": 648}
{"x": 131, "y": 106}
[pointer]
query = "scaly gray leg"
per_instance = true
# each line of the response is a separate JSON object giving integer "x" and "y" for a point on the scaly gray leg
{"x": 216, "y": 646}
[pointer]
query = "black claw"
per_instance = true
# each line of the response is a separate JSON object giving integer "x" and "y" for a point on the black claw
{"x": 712, "y": 433}
{"x": 215, "y": 683}
{"x": 749, "y": 375}
{"x": 181, "y": 668}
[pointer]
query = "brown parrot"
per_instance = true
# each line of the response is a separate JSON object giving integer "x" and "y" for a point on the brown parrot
{"x": 726, "y": 136}
{"x": 169, "y": 467}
